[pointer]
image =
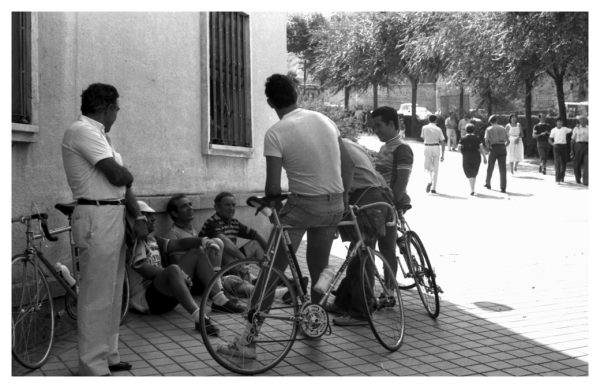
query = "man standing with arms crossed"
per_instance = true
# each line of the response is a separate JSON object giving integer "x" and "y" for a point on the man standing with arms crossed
{"x": 308, "y": 146}
{"x": 433, "y": 138}
{"x": 102, "y": 188}
{"x": 496, "y": 139}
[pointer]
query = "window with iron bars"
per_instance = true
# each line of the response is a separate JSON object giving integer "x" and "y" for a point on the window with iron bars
{"x": 21, "y": 68}
{"x": 229, "y": 64}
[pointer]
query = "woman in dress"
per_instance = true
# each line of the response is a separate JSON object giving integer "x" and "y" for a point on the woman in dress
{"x": 515, "y": 147}
{"x": 472, "y": 151}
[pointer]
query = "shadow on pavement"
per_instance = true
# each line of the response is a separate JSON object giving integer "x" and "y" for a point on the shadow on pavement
{"x": 487, "y": 196}
{"x": 438, "y": 194}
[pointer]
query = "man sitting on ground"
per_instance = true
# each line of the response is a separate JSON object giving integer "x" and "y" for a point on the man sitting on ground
{"x": 157, "y": 289}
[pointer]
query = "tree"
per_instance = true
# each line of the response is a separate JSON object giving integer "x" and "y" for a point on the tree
{"x": 301, "y": 29}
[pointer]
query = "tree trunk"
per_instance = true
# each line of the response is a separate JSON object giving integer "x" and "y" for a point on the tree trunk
{"x": 558, "y": 77}
{"x": 414, "y": 83}
{"x": 375, "y": 95}
{"x": 346, "y": 97}
{"x": 304, "y": 69}
{"x": 461, "y": 103}
{"x": 528, "y": 103}
{"x": 490, "y": 106}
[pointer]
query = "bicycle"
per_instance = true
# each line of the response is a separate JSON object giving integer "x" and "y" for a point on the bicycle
{"x": 274, "y": 323}
{"x": 415, "y": 267}
{"x": 33, "y": 315}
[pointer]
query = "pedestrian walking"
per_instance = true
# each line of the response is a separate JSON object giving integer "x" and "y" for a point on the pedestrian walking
{"x": 515, "y": 147}
{"x": 558, "y": 140}
{"x": 496, "y": 140}
{"x": 451, "y": 127}
{"x": 472, "y": 151}
{"x": 579, "y": 150}
{"x": 462, "y": 125}
{"x": 541, "y": 132}
{"x": 433, "y": 138}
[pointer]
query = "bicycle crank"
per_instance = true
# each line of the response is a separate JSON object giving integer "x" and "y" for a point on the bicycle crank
{"x": 314, "y": 320}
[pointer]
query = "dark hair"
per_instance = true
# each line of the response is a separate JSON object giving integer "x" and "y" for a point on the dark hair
{"x": 387, "y": 114}
{"x": 493, "y": 119}
{"x": 470, "y": 128}
{"x": 432, "y": 118}
{"x": 281, "y": 91}
{"x": 98, "y": 97}
{"x": 221, "y": 195}
{"x": 171, "y": 207}
{"x": 513, "y": 115}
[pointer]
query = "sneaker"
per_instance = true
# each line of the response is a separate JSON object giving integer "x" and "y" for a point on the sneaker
{"x": 236, "y": 350}
{"x": 544, "y": 171}
{"x": 210, "y": 328}
{"x": 433, "y": 192}
{"x": 385, "y": 301}
{"x": 428, "y": 188}
{"x": 333, "y": 308}
{"x": 230, "y": 307}
{"x": 540, "y": 169}
{"x": 347, "y": 320}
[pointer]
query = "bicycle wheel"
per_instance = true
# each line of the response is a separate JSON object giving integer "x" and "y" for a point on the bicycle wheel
{"x": 276, "y": 326}
{"x": 381, "y": 297}
{"x": 404, "y": 275}
{"x": 424, "y": 275}
{"x": 71, "y": 302}
{"x": 32, "y": 313}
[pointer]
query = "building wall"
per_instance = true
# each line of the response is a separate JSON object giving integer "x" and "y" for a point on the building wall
{"x": 154, "y": 60}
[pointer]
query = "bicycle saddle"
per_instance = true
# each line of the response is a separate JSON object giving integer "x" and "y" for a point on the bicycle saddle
{"x": 66, "y": 208}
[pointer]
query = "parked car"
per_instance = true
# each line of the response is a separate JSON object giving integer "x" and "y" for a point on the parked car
{"x": 422, "y": 112}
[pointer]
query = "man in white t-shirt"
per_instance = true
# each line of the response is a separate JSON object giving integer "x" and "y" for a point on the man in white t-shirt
{"x": 433, "y": 139}
{"x": 307, "y": 145}
{"x": 558, "y": 140}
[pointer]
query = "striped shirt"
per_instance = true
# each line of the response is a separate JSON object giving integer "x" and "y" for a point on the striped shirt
{"x": 384, "y": 161}
{"x": 233, "y": 229}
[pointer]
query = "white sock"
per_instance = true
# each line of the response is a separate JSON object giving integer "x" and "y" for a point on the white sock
{"x": 196, "y": 315}
{"x": 219, "y": 298}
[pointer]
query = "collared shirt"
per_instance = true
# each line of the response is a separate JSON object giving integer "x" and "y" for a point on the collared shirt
{"x": 384, "y": 161}
{"x": 495, "y": 134}
{"x": 580, "y": 134}
{"x": 233, "y": 229}
{"x": 84, "y": 144}
{"x": 559, "y": 135}
{"x": 364, "y": 174}
{"x": 432, "y": 134}
{"x": 307, "y": 143}
{"x": 450, "y": 123}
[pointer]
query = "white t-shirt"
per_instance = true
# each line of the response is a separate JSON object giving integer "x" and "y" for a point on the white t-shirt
{"x": 307, "y": 143}
{"x": 432, "y": 134}
{"x": 85, "y": 144}
{"x": 559, "y": 135}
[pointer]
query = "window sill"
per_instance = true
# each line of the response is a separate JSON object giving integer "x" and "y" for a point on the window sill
{"x": 24, "y": 133}
{"x": 232, "y": 151}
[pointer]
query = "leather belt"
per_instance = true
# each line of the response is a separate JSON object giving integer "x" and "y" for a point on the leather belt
{"x": 432, "y": 144}
{"x": 84, "y": 201}
{"x": 581, "y": 142}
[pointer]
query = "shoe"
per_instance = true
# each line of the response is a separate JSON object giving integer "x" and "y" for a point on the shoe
{"x": 236, "y": 350}
{"x": 487, "y": 187}
{"x": 540, "y": 169}
{"x": 385, "y": 301}
{"x": 472, "y": 193}
{"x": 347, "y": 320}
{"x": 120, "y": 367}
{"x": 231, "y": 306}
{"x": 333, "y": 308}
{"x": 428, "y": 188}
{"x": 433, "y": 192}
{"x": 544, "y": 171}
{"x": 210, "y": 328}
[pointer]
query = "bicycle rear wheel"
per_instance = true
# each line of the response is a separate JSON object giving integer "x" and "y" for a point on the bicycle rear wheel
{"x": 381, "y": 297}
{"x": 274, "y": 328}
{"x": 424, "y": 275}
{"x": 71, "y": 302}
{"x": 32, "y": 313}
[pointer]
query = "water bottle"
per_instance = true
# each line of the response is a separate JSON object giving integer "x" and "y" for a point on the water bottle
{"x": 325, "y": 279}
{"x": 64, "y": 273}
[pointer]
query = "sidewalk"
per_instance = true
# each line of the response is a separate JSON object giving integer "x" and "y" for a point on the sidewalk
{"x": 515, "y": 298}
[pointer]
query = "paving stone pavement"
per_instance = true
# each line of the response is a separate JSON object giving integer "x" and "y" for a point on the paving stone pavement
{"x": 522, "y": 312}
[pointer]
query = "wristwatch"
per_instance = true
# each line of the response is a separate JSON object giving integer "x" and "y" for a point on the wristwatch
{"x": 141, "y": 218}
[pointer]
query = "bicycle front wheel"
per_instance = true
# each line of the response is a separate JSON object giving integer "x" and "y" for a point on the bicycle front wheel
{"x": 381, "y": 297}
{"x": 268, "y": 323}
{"x": 424, "y": 275}
{"x": 71, "y": 302}
{"x": 32, "y": 313}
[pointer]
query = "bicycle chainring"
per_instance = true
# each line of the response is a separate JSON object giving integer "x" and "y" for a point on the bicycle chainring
{"x": 314, "y": 320}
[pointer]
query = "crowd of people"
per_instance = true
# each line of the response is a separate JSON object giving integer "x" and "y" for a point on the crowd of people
{"x": 114, "y": 231}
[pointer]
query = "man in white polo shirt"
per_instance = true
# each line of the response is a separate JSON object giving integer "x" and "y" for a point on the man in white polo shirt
{"x": 433, "y": 139}
{"x": 558, "y": 140}
{"x": 579, "y": 150}
{"x": 102, "y": 188}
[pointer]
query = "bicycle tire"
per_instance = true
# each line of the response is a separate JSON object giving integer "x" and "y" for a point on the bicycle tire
{"x": 404, "y": 275}
{"x": 424, "y": 276}
{"x": 278, "y": 324}
{"x": 71, "y": 302}
{"x": 32, "y": 313}
{"x": 382, "y": 299}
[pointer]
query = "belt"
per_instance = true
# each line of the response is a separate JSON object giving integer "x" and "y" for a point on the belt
{"x": 581, "y": 142}
{"x": 322, "y": 196}
{"x": 432, "y": 144}
{"x": 83, "y": 201}
{"x": 499, "y": 144}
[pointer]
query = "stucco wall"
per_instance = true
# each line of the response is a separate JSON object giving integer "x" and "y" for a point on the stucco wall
{"x": 154, "y": 60}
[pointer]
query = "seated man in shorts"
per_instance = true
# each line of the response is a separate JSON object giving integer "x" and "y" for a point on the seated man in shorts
{"x": 157, "y": 289}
